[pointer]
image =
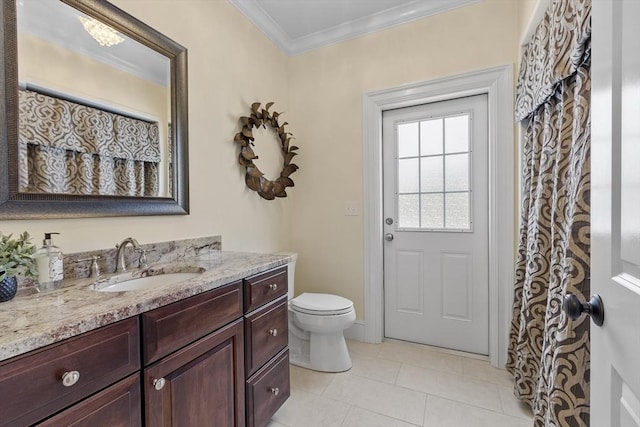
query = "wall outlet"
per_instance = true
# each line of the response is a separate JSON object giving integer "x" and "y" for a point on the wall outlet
{"x": 351, "y": 208}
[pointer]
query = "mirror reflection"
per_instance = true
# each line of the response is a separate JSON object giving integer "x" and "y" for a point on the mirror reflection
{"x": 94, "y": 107}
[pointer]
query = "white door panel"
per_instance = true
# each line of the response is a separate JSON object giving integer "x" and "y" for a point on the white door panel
{"x": 435, "y": 196}
{"x": 456, "y": 285}
{"x": 410, "y": 297}
{"x": 615, "y": 219}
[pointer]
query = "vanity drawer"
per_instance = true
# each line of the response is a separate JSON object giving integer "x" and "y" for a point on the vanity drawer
{"x": 118, "y": 405}
{"x": 171, "y": 327}
{"x": 31, "y": 385}
{"x": 265, "y": 287}
{"x": 266, "y": 333}
{"x": 267, "y": 390}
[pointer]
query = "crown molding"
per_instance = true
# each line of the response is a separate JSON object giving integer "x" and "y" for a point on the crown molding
{"x": 412, "y": 11}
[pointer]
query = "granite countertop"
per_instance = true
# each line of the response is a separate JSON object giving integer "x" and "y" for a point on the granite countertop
{"x": 34, "y": 320}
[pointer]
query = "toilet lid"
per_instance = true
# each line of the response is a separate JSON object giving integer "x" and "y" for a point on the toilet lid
{"x": 321, "y": 304}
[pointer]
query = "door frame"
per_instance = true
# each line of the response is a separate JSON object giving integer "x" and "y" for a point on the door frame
{"x": 497, "y": 83}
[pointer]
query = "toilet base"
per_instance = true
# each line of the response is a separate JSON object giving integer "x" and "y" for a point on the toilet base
{"x": 325, "y": 353}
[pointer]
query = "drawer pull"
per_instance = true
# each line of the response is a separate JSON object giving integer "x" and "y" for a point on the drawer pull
{"x": 273, "y": 286}
{"x": 159, "y": 383}
{"x": 69, "y": 378}
{"x": 273, "y": 332}
{"x": 275, "y": 391}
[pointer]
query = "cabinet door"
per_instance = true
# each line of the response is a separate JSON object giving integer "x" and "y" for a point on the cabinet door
{"x": 116, "y": 406}
{"x": 199, "y": 385}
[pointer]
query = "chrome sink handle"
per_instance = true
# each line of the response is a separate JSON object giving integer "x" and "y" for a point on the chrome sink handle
{"x": 143, "y": 262}
{"x": 95, "y": 268}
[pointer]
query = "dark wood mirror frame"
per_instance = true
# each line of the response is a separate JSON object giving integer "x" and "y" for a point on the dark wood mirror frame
{"x": 16, "y": 205}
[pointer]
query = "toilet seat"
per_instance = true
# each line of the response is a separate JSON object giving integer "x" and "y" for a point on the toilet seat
{"x": 321, "y": 304}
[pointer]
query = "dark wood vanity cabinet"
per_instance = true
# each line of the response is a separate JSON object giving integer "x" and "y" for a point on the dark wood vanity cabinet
{"x": 264, "y": 287}
{"x": 41, "y": 383}
{"x": 266, "y": 332}
{"x": 267, "y": 390}
{"x": 118, "y": 405}
{"x": 173, "y": 326}
{"x": 200, "y": 384}
{"x": 266, "y": 338}
{"x": 218, "y": 359}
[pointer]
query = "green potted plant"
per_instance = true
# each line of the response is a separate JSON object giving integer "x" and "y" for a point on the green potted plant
{"x": 15, "y": 254}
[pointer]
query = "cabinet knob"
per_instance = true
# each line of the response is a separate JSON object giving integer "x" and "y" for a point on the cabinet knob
{"x": 273, "y": 332}
{"x": 275, "y": 390}
{"x": 69, "y": 378}
{"x": 273, "y": 286}
{"x": 159, "y": 383}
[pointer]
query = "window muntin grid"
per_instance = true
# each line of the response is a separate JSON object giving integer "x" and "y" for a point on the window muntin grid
{"x": 433, "y": 178}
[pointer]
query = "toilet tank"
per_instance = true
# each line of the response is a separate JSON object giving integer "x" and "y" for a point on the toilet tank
{"x": 292, "y": 271}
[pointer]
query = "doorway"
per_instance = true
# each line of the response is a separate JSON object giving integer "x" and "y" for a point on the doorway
{"x": 497, "y": 83}
{"x": 435, "y": 198}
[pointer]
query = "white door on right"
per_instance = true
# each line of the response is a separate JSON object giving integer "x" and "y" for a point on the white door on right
{"x": 615, "y": 212}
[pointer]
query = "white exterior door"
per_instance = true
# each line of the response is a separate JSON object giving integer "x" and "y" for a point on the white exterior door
{"x": 615, "y": 218}
{"x": 436, "y": 224}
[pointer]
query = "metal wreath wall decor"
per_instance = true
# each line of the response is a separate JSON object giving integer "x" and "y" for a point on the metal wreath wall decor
{"x": 255, "y": 179}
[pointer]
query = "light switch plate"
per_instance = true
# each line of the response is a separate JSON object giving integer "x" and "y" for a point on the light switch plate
{"x": 351, "y": 208}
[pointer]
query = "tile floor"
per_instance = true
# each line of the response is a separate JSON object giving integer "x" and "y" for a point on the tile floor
{"x": 403, "y": 385}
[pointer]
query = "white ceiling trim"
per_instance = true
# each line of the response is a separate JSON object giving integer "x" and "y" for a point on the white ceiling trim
{"x": 349, "y": 30}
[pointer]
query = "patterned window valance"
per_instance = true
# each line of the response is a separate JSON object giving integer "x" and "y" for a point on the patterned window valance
{"x": 54, "y": 122}
{"x": 558, "y": 47}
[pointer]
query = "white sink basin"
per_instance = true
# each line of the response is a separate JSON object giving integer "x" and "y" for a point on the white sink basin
{"x": 148, "y": 282}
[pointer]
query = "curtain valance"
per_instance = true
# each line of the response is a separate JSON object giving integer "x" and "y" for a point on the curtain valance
{"x": 53, "y": 122}
{"x": 558, "y": 47}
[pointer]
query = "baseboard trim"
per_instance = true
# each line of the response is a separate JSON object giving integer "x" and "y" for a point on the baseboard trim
{"x": 356, "y": 331}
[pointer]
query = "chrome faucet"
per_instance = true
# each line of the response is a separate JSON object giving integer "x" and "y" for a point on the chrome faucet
{"x": 121, "y": 263}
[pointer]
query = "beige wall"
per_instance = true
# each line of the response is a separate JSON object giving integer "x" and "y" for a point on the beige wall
{"x": 530, "y": 14}
{"x": 231, "y": 65}
{"x": 326, "y": 92}
{"x": 525, "y": 15}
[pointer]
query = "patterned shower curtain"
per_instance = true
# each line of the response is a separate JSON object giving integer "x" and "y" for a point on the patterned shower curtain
{"x": 69, "y": 148}
{"x": 549, "y": 353}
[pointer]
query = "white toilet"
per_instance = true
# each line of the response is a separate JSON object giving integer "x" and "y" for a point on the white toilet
{"x": 316, "y": 326}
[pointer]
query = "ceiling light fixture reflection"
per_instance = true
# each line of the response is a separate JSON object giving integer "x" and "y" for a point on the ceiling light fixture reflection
{"x": 103, "y": 34}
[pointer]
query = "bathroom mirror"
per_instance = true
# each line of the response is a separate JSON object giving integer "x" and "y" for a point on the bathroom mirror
{"x": 94, "y": 113}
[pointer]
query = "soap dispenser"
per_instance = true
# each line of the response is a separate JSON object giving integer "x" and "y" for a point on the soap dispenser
{"x": 48, "y": 260}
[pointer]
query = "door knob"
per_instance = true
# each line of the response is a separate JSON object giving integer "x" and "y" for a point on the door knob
{"x": 388, "y": 237}
{"x": 594, "y": 308}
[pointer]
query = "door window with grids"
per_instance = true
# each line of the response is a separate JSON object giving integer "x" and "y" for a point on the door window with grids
{"x": 433, "y": 174}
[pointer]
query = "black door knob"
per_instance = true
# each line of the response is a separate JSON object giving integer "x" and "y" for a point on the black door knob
{"x": 594, "y": 308}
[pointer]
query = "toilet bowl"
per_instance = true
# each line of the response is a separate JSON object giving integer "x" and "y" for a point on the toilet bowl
{"x": 316, "y": 329}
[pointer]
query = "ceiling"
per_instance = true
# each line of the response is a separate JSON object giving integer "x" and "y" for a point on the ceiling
{"x": 297, "y": 26}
